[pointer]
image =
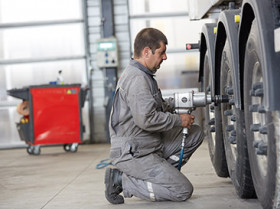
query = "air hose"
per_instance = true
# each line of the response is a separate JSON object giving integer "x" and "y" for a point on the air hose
{"x": 104, "y": 163}
{"x": 185, "y": 134}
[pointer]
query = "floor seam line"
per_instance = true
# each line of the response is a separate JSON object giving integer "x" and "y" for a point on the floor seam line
{"x": 67, "y": 185}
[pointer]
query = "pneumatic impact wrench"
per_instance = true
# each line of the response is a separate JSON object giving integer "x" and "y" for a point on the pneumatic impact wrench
{"x": 185, "y": 103}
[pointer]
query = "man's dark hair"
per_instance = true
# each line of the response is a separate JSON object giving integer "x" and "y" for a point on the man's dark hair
{"x": 150, "y": 37}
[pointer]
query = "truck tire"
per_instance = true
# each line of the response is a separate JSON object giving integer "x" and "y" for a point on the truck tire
{"x": 234, "y": 131}
{"x": 213, "y": 126}
{"x": 262, "y": 126}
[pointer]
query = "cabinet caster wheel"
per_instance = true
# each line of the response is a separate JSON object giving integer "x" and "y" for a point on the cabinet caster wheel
{"x": 29, "y": 149}
{"x": 74, "y": 147}
{"x": 33, "y": 150}
{"x": 36, "y": 150}
{"x": 67, "y": 147}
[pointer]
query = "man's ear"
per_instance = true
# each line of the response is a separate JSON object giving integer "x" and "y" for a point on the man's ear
{"x": 146, "y": 52}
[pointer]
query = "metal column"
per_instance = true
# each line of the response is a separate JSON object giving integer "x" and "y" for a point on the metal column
{"x": 110, "y": 72}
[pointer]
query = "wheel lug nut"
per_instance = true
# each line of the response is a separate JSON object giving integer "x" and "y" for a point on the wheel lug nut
{"x": 261, "y": 109}
{"x": 262, "y": 148}
{"x": 258, "y": 85}
{"x": 233, "y": 118}
{"x": 256, "y": 144}
{"x": 229, "y": 91}
{"x": 263, "y": 130}
{"x": 229, "y": 128}
{"x": 259, "y": 93}
{"x": 252, "y": 92}
{"x": 232, "y": 139}
{"x": 231, "y": 102}
{"x": 255, "y": 127}
{"x": 228, "y": 112}
{"x": 212, "y": 129}
{"x": 253, "y": 108}
{"x": 212, "y": 121}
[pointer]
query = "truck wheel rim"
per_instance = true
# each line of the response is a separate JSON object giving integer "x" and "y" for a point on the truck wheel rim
{"x": 229, "y": 121}
{"x": 211, "y": 113}
{"x": 259, "y": 118}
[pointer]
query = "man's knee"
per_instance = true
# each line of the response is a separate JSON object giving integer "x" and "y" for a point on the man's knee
{"x": 182, "y": 192}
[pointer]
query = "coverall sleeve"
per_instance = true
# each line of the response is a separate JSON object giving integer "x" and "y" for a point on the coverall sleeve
{"x": 146, "y": 107}
{"x": 168, "y": 105}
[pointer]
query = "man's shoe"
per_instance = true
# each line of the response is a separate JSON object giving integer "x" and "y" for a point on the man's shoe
{"x": 113, "y": 183}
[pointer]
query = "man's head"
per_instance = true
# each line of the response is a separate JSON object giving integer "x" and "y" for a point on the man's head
{"x": 150, "y": 48}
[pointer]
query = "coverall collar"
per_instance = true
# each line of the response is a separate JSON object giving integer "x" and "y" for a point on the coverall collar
{"x": 140, "y": 66}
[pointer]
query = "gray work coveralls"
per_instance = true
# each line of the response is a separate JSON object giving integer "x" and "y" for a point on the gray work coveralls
{"x": 146, "y": 139}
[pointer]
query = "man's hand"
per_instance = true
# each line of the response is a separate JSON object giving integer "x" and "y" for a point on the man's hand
{"x": 187, "y": 120}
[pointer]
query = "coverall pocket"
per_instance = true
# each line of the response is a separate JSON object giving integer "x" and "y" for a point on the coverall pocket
{"x": 115, "y": 153}
{"x": 133, "y": 149}
{"x": 140, "y": 149}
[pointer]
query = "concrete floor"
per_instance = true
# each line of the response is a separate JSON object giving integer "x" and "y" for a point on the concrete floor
{"x": 56, "y": 179}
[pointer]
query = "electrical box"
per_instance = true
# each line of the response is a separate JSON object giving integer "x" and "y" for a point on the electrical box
{"x": 107, "y": 52}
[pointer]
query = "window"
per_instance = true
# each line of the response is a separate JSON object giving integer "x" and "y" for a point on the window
{"x": 16, "y": 11}
{"x": 37, "y": 39}
{"x": 42, "y": 41}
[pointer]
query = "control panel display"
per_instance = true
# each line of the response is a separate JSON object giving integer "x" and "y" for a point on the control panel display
{"x": 107, "y": 52}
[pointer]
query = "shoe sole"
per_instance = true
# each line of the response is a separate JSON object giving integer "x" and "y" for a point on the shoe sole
{"x": 118, "y": 199}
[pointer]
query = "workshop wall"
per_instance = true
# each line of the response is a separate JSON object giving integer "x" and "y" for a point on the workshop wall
{"x": 121, "y": 27}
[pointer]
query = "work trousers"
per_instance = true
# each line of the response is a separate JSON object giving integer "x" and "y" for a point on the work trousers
{"x": 155, "y": 176}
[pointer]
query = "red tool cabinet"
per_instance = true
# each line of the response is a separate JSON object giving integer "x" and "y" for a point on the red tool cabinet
{"x": 55, "y": 116}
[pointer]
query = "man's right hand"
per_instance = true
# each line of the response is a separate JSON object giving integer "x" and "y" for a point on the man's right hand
{"x": 187, "y": 120}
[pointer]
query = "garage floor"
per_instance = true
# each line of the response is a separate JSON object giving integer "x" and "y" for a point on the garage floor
{"x": 56, "y": 179}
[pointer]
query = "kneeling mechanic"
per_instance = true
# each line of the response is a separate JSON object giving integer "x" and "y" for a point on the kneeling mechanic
{"x": 145, "y": 134}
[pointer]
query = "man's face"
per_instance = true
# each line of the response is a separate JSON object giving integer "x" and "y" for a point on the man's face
{"x": 154, "y": 60}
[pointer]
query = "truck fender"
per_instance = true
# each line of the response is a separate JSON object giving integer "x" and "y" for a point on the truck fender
{"x": 266, "y": 16}
{"x": 228, "y": 29}
{"x": 207, "y": 41}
